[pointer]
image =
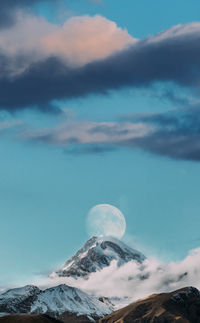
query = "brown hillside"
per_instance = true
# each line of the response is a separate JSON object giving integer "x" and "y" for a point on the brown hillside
{"x": 181, "y": 306}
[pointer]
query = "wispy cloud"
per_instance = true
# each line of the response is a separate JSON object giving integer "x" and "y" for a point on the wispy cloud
{"x": 11, "y": 127}
{"x": 93, "y": 134}
{"x": 175, "y": 134}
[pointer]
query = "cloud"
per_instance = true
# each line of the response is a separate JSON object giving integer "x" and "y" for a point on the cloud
{"x": 175, "y": 134}
{"x": 87, "y": 133}
{"x": 154, "y": 276}
{"x": 133, "y": 281}
{"x": 81, "y": 40}
{"x": 11, "y": 125}
{"x": 169, "y": 95}
{"x": 9, "y": 7}
{"x": 78, "y": 41}
{"x": 18, "y": 55}
{"x": 171, "y": 56}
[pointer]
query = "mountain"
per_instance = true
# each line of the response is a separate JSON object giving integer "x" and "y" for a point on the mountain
{"x": 60, "y": 299}
{"x": 70, "y": 303}
{"x": 97, "y": 253}
{"x": 19, "y": 300}
{"x": 181, "y": 306}
{"x": 57, "y": 301}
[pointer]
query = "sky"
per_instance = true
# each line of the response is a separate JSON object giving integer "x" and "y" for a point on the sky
{"x": 99, "y": 104}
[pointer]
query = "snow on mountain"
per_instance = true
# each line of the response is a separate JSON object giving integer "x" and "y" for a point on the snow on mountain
{"x": 18, "y": 300}
{"x": 64, "y": 298}
{"x": 23, "y": 292}
{"x": 97, "y": 253}
{"x": 53, "y": 301}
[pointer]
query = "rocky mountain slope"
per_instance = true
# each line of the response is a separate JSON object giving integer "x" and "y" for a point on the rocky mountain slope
{"x": 181, "y": 306}
{"x": 19, "y": 300}
{"x": 97, "y": 253}
{"x": 55, "y": 301}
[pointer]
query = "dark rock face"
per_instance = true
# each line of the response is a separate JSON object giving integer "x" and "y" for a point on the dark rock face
{"x": 181, "y": 306}
{"x": 124, "y": 253}
{"x": 187, "y": 301}
{"x": 18, "y": 300}
{"x": 97, "y": 253}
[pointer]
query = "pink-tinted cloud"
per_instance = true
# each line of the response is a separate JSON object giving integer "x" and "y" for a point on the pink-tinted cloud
{"x": 78, "y": 41}
{"x": 88, "y": 132}
{"x": 84, "y": 39}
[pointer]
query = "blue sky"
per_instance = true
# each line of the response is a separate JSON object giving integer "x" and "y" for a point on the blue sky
{"x": 142, "y": 18}
{"x": 47, "y": 187}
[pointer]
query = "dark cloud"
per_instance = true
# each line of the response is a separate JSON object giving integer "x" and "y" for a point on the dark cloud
{"x": 172, "y": 144}
{"x": 171, "y": 57}
{"x": 171, "y": 96}
{"x": 176, "y": 134}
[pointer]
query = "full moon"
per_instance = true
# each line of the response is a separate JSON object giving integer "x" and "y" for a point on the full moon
{"x": 107, "y": 220}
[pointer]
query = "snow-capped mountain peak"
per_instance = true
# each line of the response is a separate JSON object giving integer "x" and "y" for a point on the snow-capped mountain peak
{"x": 64, "y": 298}
{"x": 53, "y": 301}
{"x": 25, "y": 291}
{"x": 97, "y": 253}
{"x": 18, "y": 300}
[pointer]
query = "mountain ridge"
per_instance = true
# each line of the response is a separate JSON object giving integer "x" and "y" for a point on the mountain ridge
{"x": 179, "y": 306}
{"x": 54, "y": 301}
{"x": 182, "y": 306}
{"x": 96, "y": 254}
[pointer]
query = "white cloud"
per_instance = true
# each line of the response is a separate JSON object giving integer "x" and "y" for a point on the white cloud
{"x": 177, "y": 31}
{"x": 84, "y": 39}
{"x": 136, "y": 281}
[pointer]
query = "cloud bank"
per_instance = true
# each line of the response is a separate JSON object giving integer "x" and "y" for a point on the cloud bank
{"x": 134, "y": 281}
{"x": 63, "y": 67}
